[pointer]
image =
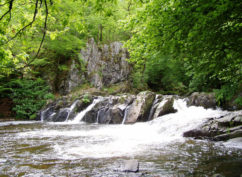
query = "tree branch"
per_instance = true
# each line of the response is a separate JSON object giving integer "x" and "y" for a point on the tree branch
{"x": 9, "y": 9}
{"x": 45, "y": 27}
{"x": 22, "y": 29}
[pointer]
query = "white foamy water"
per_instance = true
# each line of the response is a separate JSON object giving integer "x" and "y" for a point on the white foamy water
{"x": 16, "y": 123}
{"x": 80, "y": 116}
{"x": 98, "y": 141}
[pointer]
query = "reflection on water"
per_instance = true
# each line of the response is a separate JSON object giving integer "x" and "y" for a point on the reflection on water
{"x": 49, "y": 149}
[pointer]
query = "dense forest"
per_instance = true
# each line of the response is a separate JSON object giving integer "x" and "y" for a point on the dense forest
{"x": 175, "y": 46}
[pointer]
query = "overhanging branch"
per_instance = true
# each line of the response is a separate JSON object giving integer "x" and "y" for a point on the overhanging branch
{"x": 45, "y": 27}
{"x": 9, "y": 9}
{"x": 22, "y": 29}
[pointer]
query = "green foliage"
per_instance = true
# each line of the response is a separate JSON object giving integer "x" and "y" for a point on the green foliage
{"x": 224, "y": 94}
{"x": 163, "y": 72}
{"x": 202, "y": 37}
{"x": 28, "y": 96}
{"x": 138, "y": 80}
{"x": 86, "y": 99}
{"x": 238, "y": 101}
{"x": 228, "y": 93}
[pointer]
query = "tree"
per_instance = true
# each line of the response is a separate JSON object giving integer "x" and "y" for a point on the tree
{"x": 203, "y": 36}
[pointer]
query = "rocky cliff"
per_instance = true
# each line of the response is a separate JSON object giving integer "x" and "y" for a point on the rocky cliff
{"x": 101, "y": 66}
{"x": 107, "y": 64}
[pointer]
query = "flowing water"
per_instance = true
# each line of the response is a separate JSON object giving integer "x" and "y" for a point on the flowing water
{"x": 74, "y": 148}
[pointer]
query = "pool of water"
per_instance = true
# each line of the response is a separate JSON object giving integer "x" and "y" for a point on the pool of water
{"x": 66, "y": 149}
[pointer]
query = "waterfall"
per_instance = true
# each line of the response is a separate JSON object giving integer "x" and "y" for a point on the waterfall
{"x": 125, "y": 114}
{"x": 70, "y": 109}
{"x": 98, "y": 113}
{"x": 153, "y": 108}
{"x": 80, "y": 115}
{"x": 118, "y": 140}
{"x": 42, "y": 114}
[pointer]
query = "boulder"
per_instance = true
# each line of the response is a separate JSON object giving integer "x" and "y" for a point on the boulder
{"x": 140, "y": 108}
{"x": 197, "y": 134}
{"x": 62, "y": 115}
{"x": 45, "y": 115}
{"x": 62, "y": 109}
{"x": 91, "y": 116}
{"x": 113, "y": 113}
{"x": 110, "y": 110}
{"x": 165, "y": 107}
{"x": 229, "y": 135}
{"x": 219, "y": 129}
{"x": 231, "y": 120}
{"x": 131, "y": 166}
{"x": 116, "y": 115}
{"x": 207, "y": 100}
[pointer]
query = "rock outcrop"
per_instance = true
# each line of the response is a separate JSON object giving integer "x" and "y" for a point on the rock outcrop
{"x": 223, "y": 128}
{"x": 125, "y": 108}
{"x": 63, "y": 109}
{"x": 139, "y": 110}
{"x": 206, "y": 100}
{"x": 165, "y": 107}
{"x": 100, "y": 65}
{"x": 106, "y": 65}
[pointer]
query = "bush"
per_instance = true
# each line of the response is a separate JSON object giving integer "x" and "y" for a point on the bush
{"x": 86, "y": 99}
{"x": 227, "y": 94}
{"x": 28, "y": 96}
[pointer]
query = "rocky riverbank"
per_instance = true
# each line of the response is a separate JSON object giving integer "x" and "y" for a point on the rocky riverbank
{"x": 145, "y": 106}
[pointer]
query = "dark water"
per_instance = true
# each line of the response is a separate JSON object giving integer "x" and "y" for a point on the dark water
{"x": 48, "y": 149}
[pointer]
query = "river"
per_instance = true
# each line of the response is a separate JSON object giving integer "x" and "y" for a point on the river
{"x": 35, "y": 148}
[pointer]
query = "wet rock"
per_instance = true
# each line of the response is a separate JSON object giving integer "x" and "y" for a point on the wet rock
{"x": 207, "y": 100}
{"x": 229, "y": 135}
{"x": 155, "y": 104}
{"x": 116, "y": 115}
{"x": 231, "y": 120}
{"x": 198, "y": 134}
{"x": 140, "y": 108}
{"x": 92, "y": 115}
{"x": 110, "y": 110}
{"x": 61, "y": 116}
{"x": 219, "y": 129}
{"x": 62, "y": 109}
{"x": 45, "y": 115}
{"x": 110, "y": 116}
{"x": 131, "y": 166}
{"x": 165, "y": 107}
{"x": 103, "y": 116}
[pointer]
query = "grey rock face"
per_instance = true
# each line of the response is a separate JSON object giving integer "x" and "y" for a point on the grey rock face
{"x": 110, "y": 110}
{"x": 62, "y": 109}
{"x": 165, "y": 107}
{"x": 223, "y": 128}
{"x": 106, "y": 65}
{"x": 207, "y": 100}
{"x": 110, "y": 116}
{"x": 139, "y": 110}
{"x": 76, "y": 77}
{"x": 71, "y": 79}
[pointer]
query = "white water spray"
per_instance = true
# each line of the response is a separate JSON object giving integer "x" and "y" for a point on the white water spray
{"x": 80, "y": 115}
{"x": 127, "y": 140}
